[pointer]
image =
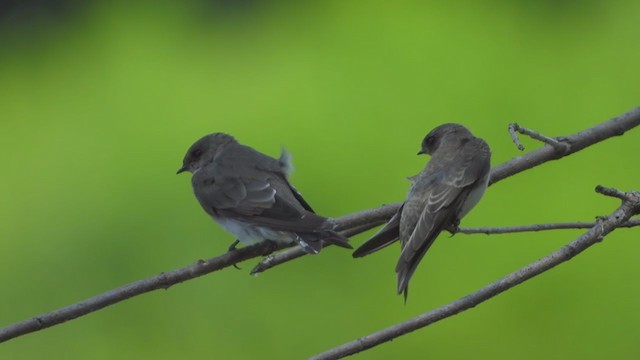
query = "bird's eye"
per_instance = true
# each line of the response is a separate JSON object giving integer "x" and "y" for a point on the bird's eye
{"x": 197, "y": 153}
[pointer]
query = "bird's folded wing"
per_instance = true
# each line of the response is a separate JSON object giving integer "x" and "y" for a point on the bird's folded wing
{"x": 258, "y": 198}
{"x": 281, "y": 168}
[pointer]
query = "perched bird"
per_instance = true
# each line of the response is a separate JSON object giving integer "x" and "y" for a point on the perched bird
{"x": 449, "y": 186}
{"x": 248, "y": 193}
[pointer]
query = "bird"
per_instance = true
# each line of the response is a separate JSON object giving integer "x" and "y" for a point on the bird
{"x": 450, "y": 185}
{"x": 249, "y": 194}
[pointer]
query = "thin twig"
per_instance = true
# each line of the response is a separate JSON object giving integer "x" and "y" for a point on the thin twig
{"x": 556, "y": 143}
{"x": 539, "y": 227}
{"x": 613, "y": 193}
{"x": 514, "y": 136}
{"x": 578, "y": 141}
{"x": 620, "y": 216}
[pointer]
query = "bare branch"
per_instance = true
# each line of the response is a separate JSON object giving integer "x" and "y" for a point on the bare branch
{"x": 297, "y": 251}
{"x": 384, "y": 213}
{"x": 351, "y": 224}
{"x": 514, "y": 136}
{"x": 571, "y": 144}
{"x": 613, "y": 193}
{"x": 539, "y": 227}
{"x": 354, "y": 223}
{"x": 620, "y": 216}
{"x": 162, "y": 281}
{"x": 557, "y": 144}
{"x": 578, "y": 141}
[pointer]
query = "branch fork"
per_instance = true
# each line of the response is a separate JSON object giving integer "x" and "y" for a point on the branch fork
{"x": 560, "y": 144}
{"x": 630, "y": 206}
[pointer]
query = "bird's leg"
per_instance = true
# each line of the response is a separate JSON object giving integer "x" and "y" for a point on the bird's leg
{"x": 233, "y": 247}
{"x": 453, "y": 227}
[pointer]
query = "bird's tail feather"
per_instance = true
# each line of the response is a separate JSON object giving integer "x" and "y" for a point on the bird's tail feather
{"x": 335, "y": 238}
{"x": 312, "y": 243}
{"x": 405, "y": 271}
{"x": 383, "y": 238}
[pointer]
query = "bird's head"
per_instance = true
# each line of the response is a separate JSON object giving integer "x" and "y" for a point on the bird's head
{"x": 203, "y": 151}
{"x": 435, "y": 137}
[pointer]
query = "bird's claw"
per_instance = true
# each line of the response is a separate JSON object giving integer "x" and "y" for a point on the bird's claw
{"x": 453, "y": 228}
{"x": 232, "y": 248}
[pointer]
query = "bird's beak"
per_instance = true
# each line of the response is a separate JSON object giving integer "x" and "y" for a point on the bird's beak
{"x": 421, "y": 152}
{"x": 182, "y": 169}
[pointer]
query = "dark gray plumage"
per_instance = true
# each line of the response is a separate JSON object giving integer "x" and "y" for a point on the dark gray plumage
{"x": 248, "y": 193}
{"x": 449, "y": 186}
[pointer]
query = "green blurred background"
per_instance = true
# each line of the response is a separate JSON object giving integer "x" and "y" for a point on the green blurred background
{"x": 100, "y": 100}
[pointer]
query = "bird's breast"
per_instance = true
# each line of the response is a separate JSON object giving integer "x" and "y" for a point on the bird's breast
{"x": 474, "y": 196}
{"x": 250, "y": 234}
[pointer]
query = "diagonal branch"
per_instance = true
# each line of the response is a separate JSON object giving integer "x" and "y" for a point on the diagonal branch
{"x": 297, "y": 251}
{"x": 353, "y": 223}
{"x": 350, "y": 225}
{"x": 570, "y": 144}
{"x": 578, "y": 141}
{"x": 162, "y": 281}
{"x": 630, "y": 206}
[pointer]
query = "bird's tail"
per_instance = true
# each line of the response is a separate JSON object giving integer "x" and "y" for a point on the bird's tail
{"x": 334, "y": 238}
{"x": 405, "y": 270}
{"x": 383, "y": 238}
{"x": 313, "y": 242}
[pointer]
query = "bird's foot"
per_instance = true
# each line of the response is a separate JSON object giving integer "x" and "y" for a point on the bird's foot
{"x": 232, "y": 248}
{"x": 453, "y": 227}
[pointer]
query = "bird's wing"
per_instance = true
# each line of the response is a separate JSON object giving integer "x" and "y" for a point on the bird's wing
{"x": 283, "y": 167}
{"x": 440, "y": 196}
{"x": 245, "y": 187}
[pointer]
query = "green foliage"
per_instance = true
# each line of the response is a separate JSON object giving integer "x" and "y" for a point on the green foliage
{"x": 96, "y": 114}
